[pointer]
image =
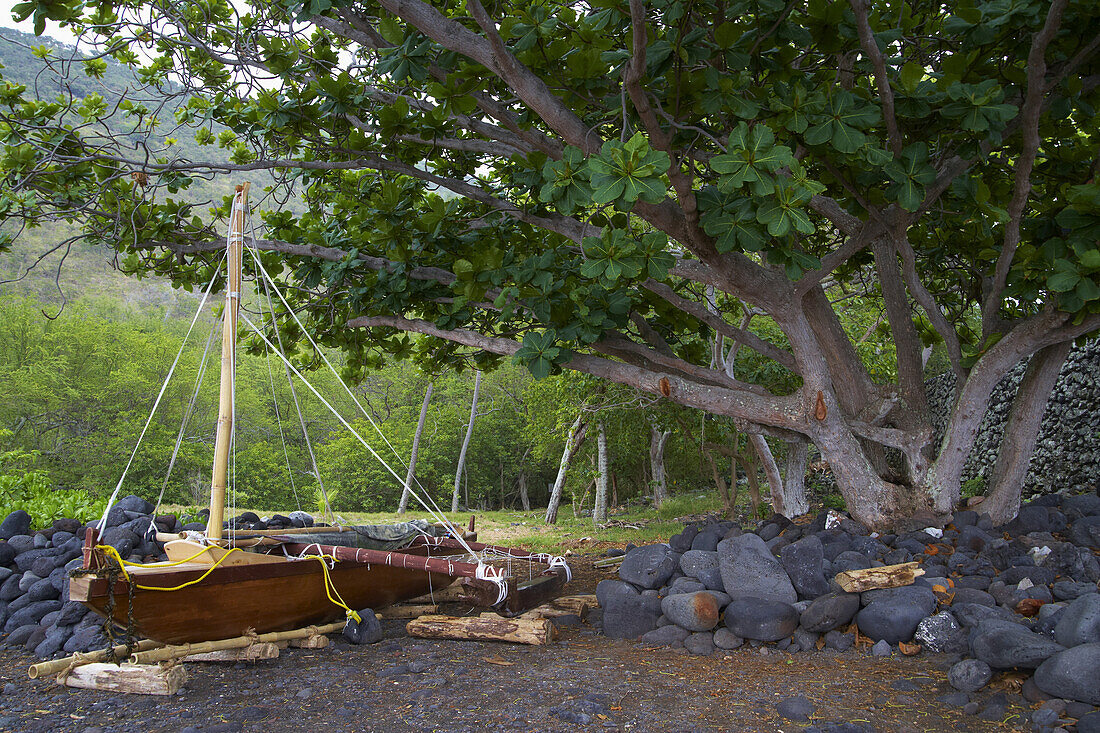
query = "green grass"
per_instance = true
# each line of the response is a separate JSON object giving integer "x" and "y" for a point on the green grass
{"x": 527, "y": 530}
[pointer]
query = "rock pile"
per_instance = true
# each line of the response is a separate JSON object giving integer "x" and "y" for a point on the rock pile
{"x": 1022, "y": 596}
{"x": 35, "y": 610}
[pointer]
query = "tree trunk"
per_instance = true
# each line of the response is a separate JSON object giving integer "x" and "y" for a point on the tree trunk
{"x": 572, "y": 443}
{"x": 729, "y": 498}
{"x": 753, "y": 481}
{"x": 658, "y": 440}
{"x": 524, "y": 499}
{"x": 794, "y": 483}
{"x": 411, "y": 474}
{"x": 466, "y": 443}
{"x": 1021, "y": 431}
{"x": 771, "y": 470}
{"x": 599, "y": 510}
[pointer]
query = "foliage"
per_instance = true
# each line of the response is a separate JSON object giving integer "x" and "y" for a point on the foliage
{"x": 22, "y": 487}
{"x": 631, "y": 183}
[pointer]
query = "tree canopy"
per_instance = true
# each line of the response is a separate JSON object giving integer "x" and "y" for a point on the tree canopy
{"x": 622, "y": 188}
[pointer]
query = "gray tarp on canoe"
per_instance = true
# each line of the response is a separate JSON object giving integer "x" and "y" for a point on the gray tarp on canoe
{"x": 374, "y": 536}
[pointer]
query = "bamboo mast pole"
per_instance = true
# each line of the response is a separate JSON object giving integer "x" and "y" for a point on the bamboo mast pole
{"x": 219, "y": 473}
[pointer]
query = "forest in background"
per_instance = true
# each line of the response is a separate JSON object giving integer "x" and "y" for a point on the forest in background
{"x": 84, "y": 349}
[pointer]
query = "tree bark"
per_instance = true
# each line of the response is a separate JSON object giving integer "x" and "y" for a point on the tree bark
{"x": 466, "y": 443}
{"x": 775, "y": 482}
{"x": 411, "y": 474}
{"x": 658, "y": 440}
{"x": 599, "y": 510}
{"x": 753, "y": 481}
{"x": 794, "y": 482}
{"x": 1002, "y": 503}
{"x": 728, "y": 496}
{"x": 572, "y": 443}
{"x": 525, "y": 500}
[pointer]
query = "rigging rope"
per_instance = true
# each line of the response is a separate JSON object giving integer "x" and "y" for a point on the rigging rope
{"x": 156, "y": 403}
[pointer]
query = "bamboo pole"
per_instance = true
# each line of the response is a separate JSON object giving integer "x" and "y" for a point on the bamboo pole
{"x": 184, "y": 650}
{"x": 43, "y": 669}
{"x": 219, "y": 473}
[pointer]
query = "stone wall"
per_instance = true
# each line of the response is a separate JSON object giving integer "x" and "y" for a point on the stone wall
{"x": 1067, "y": 454}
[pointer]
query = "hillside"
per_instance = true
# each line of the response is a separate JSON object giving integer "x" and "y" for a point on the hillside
{"x": 34, "y": 268}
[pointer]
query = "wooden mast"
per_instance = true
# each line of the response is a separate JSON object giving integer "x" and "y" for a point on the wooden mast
{"x": 218, "y": 480}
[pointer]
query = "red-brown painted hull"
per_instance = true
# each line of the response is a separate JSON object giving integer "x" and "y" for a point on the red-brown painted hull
{"x": 263, "y": 597}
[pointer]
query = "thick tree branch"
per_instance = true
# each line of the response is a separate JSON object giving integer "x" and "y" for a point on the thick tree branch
{"x": 882, "y": 80}
{"x": 700, "y": 313}
{"x": 777, "y": 412}
{"x": 1029, "y": 124}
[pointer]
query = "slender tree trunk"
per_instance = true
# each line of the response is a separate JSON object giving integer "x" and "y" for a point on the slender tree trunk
{"x": 524, "y": 499}
{"x": 466, "y": 443}
{"x": 411, "y": 474}
{"x": 729, "y": 499}
{"x": 1021, "y": 431}
{"x": 794, "y": 483}
{"x": 614, "y": 489}
{"x": 572, "y": 444}
{"x": 658, "y": 440}
{"x": 599, "y": 511}
{"x": 753, "y": 481}
{"x": 763, "y": 451}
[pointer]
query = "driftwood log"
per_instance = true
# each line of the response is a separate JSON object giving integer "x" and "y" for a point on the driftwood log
{"x": 251, "y": 653}
{"x": 448, "y": 594}
{"x": 888, "y": 576}
{"x": 142, "y": 679}
{"x": 486, "y": 627}
{"x": 408, "y": 611}
{"x": 575, "y": 603}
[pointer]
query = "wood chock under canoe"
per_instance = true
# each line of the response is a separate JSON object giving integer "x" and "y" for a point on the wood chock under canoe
{"x": 486, "y": 627}
{"x": 251, "y": 653}
{"x": 140, "y": 679}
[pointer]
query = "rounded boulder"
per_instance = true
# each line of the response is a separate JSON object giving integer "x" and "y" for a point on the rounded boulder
{"x": 696, "y": 611}
{"x": 763, "y": 619}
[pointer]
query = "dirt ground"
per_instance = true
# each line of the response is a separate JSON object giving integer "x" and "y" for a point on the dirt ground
{"x": 583, "y": 681}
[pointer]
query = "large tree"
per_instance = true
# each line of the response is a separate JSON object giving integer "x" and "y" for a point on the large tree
{"x": 626, "y": 179}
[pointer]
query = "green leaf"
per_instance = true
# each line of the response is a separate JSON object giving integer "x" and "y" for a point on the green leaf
{"x": 911, "y": 75}
{"x": 1063, "y": 282}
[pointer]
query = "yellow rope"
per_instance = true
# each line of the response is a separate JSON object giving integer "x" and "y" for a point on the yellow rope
{"x": 113, "y": 553}
{"x": 330, "y": 589}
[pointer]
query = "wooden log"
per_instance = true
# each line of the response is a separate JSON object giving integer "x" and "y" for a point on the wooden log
{"x": 184, "y": 650}
{"x": 609, "y": 562}
{"x": 263, "y": 650}
{"x": 47, "y": 668}
{"x": 549, "y": 610}
{"x": 141, "y": 679}
{"x": 888, "y": 576}
{"x": 486, "y": 627}
{"x": 316, "y": 641}
{"x": 403, "y": 610}
{"x": 451, "y": 593}
{"x": 574, "y": 603}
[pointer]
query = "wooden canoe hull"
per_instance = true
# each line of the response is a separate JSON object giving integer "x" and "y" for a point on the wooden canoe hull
{"x": 263, "y": 597}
